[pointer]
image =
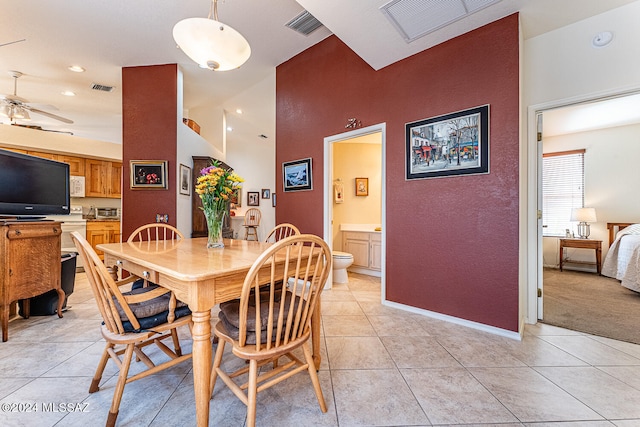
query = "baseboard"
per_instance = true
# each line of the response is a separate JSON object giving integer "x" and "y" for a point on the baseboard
{"x": 365, "y": 271}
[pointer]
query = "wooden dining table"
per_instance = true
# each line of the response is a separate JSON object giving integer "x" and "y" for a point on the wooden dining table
{"x": 201, "y": 278}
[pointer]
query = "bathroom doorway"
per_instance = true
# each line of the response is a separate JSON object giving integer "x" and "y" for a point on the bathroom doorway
{"x": 365, "y": 149}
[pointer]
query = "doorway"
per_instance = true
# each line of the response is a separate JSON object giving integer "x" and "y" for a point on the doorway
{"x": 556, "y": 128}
{"x": 364, "y": 136}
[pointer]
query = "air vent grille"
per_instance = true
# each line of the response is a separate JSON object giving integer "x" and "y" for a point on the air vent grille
{"x": 305, "y": 23}
{"x": 103, "y": 88}
{"x": 417, "y": 18}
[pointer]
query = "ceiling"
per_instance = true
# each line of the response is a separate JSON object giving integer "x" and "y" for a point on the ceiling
{"x": 104, "y": 36}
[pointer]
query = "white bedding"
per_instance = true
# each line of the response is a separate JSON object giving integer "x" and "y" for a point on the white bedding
{"x": 623, "y": 259}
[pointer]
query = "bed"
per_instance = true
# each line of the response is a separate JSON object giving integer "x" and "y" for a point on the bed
{"x": 623, "y": 259}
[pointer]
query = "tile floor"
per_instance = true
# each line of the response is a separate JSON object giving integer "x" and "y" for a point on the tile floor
{"x": 381, "y": 367}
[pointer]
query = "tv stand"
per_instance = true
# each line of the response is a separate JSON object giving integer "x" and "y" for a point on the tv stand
{"x": 30, "y": 264}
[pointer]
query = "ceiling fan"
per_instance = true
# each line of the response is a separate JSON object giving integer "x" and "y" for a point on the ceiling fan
{"x": 15, "y": 107}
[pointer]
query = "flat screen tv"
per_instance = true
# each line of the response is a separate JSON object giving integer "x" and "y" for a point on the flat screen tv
{"x": 31, "y": 186}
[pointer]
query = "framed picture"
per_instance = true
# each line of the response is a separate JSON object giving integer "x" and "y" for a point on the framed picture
{"x": 253, "y": 198}
{"x": 273, "y": 200}
{"x": 296, "y": 175}
{"x": 185, "y": 180}
{"x": 452, "y": 144}
{"x": 236, "y": 197}
{"x": 266, "y": 193}
{"x": 149, "y": 174}
{"x": 362, "y": 186}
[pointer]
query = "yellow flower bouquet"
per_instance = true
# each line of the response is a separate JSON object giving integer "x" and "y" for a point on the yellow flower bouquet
{"x": 215, "y": 186}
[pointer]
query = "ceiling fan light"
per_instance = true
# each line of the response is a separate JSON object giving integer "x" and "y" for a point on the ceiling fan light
{"x": 211, "y": 44}
{"x": 5, "y": 111}
{"x": 25, "y": 114}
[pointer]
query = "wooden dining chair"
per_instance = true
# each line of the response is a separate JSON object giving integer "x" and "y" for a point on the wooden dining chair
{"x": 251, "y": 223}
{"x": 131, "y": 321}
{"x": 283, "y": 324}
{"x": 282, "y": 231}
{"x": 155, "y": 231}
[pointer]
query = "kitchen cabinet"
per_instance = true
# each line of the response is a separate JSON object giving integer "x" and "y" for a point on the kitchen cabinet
{"x": 99, "y": 232}
{"x": 198, "y": 221}
{"x": 103, "y": 179}
{"x": 366, "y": 248}
{"x": 30, "y": 260}
{"x": 76, "y": 164}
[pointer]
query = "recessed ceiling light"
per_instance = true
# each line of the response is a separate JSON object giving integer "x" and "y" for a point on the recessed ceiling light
{"x": 76, "y": 69}
{"x": 602, "y": 39}
{"x": 229, "y": 128}
{"x": 68, "y": 93}
{"x": 239, "y": 110}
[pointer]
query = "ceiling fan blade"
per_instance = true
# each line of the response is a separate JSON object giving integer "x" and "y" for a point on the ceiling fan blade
{"x": 45, "y": 113}
{"x": 15, "y": 41}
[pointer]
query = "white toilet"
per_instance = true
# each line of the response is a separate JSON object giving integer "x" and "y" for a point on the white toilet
{"x": 341, "y": 261}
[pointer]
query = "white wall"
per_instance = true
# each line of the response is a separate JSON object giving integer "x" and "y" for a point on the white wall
{"x": 560, "y": 67}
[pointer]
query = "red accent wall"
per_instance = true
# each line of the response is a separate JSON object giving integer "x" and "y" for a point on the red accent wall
{"x": 452, "y": 243}
{"x": 149, "y": 132}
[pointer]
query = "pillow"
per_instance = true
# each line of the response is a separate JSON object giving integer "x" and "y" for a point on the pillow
{"x": 146, "y": 308}
{"x": 229, "y": 315}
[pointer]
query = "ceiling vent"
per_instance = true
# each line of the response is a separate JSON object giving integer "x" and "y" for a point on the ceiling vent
{"x": 103, "y": 88}
{"x": 417, "y": 18}
{"x": 305, "y": 23}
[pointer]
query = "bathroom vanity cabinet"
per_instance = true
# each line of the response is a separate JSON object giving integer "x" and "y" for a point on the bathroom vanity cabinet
{"x": 366, "y": 248}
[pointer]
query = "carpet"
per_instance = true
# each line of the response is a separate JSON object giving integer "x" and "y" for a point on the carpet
{"x": 590, "y": 303}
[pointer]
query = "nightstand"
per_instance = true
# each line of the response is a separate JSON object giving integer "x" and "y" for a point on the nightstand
{"x": 582, "y": 244}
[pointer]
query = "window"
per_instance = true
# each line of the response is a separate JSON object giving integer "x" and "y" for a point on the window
{"x": 562, "y": 190}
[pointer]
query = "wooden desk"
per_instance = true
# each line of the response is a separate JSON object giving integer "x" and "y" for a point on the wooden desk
{"x": 582, "y": 244}
{"x": 201, "y": 278}
{"x": 30, "y": 264}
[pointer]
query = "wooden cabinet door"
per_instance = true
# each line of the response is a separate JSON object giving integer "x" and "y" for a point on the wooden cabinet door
{"x": 360, "y": 251}
{"x": 97, "y": 237}
{"x": 76, "y": 164}
{"x": 114, "y": 189}
{"x": 95, "y": 178}
{"x": 49, "y": 156}
{"x": 375, "y": 256}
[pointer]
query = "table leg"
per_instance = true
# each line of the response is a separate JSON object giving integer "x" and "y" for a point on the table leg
{"x": 315, "y": 335}
{"x": 201, "y": 335}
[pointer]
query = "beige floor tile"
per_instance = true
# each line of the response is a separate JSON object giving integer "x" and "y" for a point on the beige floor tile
{"x": 537, "y": 352}
{"x": 361, "y": 401}
{"x": 418, "y": 352}
{"x": 341, "y": 308}
{"x": 357, "y": 353}
{"x": 353, "y": 326}
{"x": 21, "y": 359}
{"x": 453, "y": 396}
{"x": 627, "y": 374}
{"x": 530, "y": 396}
{"x": 603, "y": 393}
{"x": 404, "y": 326}
{"x": 478, "y": 352}
{"x": 592, "y": 351}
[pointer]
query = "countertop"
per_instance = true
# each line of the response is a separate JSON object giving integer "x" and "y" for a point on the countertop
{"x": 102, "y": 219}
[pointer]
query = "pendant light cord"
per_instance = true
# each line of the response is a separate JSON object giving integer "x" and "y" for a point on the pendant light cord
{"x": 213, "y": 8}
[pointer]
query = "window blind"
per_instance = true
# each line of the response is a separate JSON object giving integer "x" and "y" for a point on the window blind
{"x": 562, "y": 190}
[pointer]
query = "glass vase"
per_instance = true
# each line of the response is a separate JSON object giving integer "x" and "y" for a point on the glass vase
{"x": 215, "y": 220}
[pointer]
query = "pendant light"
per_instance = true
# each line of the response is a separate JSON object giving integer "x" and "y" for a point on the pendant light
{"x": 210, "y": 43}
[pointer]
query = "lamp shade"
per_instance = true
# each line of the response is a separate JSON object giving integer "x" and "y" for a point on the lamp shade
{"x": 211, "y": 44}
{"x": 583, "y": 215}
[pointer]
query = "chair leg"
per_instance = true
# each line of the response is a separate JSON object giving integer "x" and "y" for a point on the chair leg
{"x": 314, "y": 376}
{"x": 252, "y": 393}
{"x": 217, "y": 361}
{"x": 176, "y": 342}
{"x": 95, "y": 383}
{"x": 122, "y": 380}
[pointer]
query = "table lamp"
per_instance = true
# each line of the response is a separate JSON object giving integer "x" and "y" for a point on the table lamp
{"x": 584, "y": 216}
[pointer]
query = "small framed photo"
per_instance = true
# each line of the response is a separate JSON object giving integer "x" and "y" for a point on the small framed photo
{"x": 273, "y": 200}
{"x": 296, "y": 175}
{"x": 362, "y": 186}
{"x": 448, "y": 145}
{"x": 236, "y": 197}
{"x": 253, "y": 198}
{"x": 185, "y": 180}
{"x": 149, "y": 174}
{"x": 266, "y": 193}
